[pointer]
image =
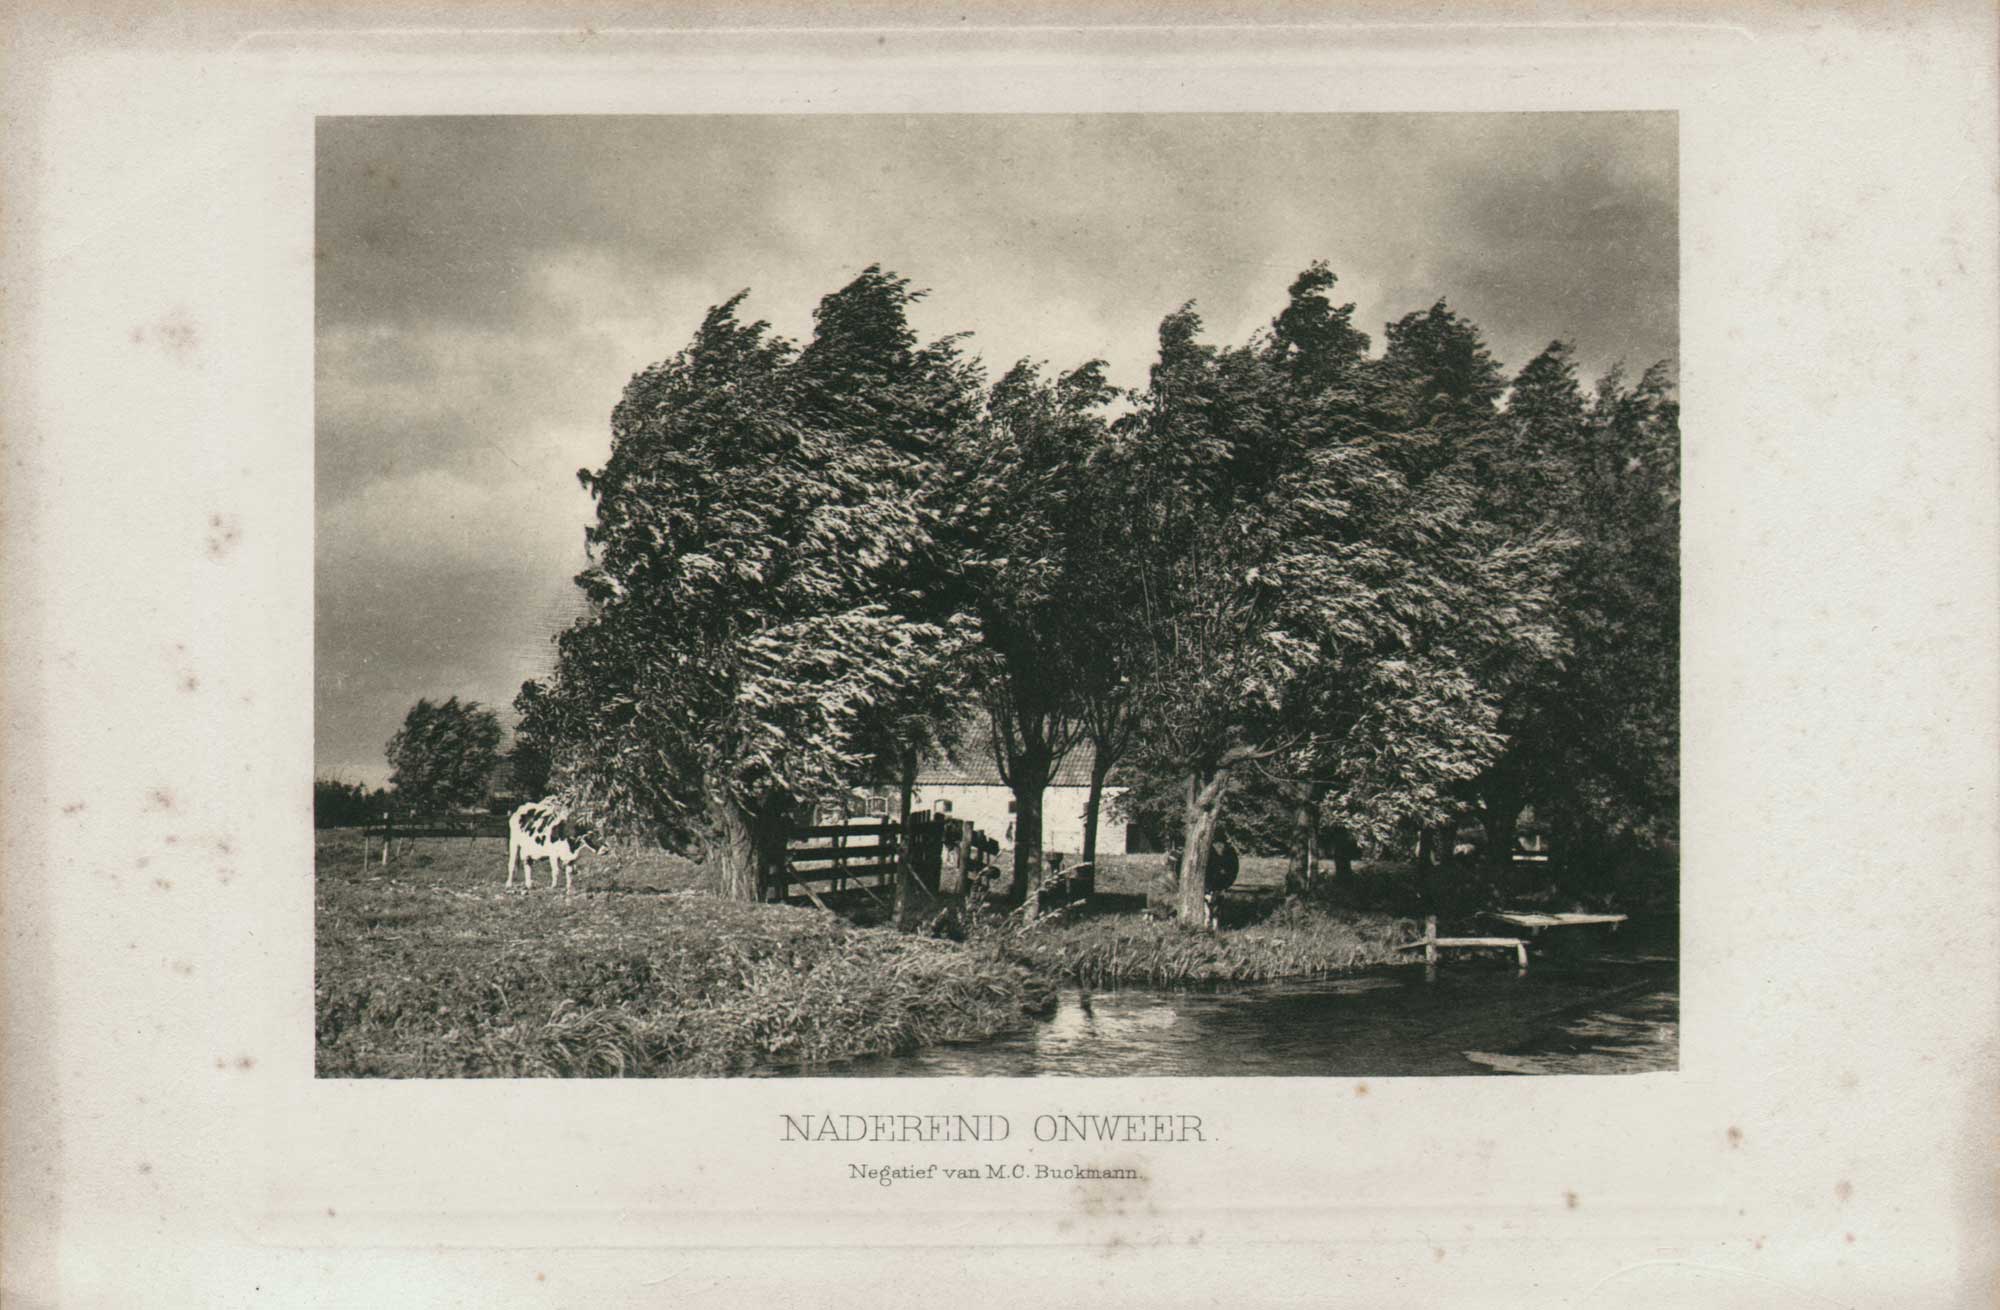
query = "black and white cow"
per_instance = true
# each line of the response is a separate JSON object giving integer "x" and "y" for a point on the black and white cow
{"x": 544, "y": 830}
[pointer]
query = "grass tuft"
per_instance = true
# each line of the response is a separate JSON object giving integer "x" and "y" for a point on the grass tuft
{"x": 444, "y": 974}
{"x": 1292, "y": 941}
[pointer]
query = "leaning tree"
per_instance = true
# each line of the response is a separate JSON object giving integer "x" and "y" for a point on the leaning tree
{"x": 762, "y": 628}
{"x": 1314, "y": 584}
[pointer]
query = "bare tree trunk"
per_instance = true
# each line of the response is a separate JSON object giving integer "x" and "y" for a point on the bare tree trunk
{"x": 1031, "y": 779}
{"x": 1100, "y": 769}
{"x": 1202, "y": 811}
{"x": 732, "y": 851}
{"x": 1304, "y": 871}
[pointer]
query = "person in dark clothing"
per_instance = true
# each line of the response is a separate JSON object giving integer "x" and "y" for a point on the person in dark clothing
{"x": 1223, "y": 865}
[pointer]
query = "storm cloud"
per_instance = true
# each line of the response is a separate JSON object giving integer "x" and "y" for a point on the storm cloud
{"x": 486, "y": 286}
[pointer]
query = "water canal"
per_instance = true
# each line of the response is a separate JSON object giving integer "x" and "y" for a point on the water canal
{"x": 1602, "y": 1014}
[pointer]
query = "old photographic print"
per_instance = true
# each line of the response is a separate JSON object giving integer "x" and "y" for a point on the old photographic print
{"x": 998, "y": 595}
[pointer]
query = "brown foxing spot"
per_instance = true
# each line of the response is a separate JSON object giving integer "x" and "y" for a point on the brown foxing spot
{"x": 175, "y": 334}
{"x": 223, "y": 534}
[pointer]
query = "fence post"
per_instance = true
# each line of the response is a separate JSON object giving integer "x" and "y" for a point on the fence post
{"x": 1430, "y": 939}
{"x": 899, "y": 899}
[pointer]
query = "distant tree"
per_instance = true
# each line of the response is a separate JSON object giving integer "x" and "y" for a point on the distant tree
{"x": 338, "y": 803}
{"x": 443, "y": 755}
{"x": 764, "y": 630}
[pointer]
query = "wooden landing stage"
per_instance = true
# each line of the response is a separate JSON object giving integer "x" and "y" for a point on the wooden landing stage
{"x": 1534, "y": 921}
{"x": 1432, "y": 944}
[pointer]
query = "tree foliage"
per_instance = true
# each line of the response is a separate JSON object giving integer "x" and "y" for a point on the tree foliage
{"x": 1369, "y": 593}
{"x": 1021, "y": 523}
{"x": 764, "y": 621}
{"x": 1319, "y": 591}
{"x": 443, "y": 755}
{"x": 1594, "y": 744}
{"x": 533, "y": 757}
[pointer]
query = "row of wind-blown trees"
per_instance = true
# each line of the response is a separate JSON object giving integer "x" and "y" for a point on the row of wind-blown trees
{"x": 1378, "y": 592}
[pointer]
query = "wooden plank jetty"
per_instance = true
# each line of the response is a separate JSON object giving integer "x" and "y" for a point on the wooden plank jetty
{"x": 1432, "y": 944}
{"x": 1535, "y": 921}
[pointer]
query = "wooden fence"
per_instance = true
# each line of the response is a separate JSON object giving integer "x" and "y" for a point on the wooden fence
{"x": 864, "y": 856}
{"x": 839, "y": 856}
{"x": 392, "y": 828}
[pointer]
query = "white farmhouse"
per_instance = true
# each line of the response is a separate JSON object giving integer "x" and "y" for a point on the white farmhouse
{"x": 970, "y": 788}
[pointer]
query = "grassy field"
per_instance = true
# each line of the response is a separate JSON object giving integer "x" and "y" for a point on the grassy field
{"x": 429, "y": 968}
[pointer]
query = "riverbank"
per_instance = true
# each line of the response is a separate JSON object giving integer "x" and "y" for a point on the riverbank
{"x": 432, "y": 970}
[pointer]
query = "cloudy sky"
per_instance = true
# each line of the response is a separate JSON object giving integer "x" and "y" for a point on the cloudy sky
{"x": 486, "y": 286}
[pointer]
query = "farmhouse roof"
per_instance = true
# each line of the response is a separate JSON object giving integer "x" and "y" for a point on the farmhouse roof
{"x": 972, "y": 764}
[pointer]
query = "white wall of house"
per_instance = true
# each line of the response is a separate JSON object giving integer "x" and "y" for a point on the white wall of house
{"x": 989, "y": 808}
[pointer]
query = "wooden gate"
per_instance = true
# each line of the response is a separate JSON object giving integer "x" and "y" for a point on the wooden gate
{"x": 831, "y": 859}
{"x": 838, "y": 856}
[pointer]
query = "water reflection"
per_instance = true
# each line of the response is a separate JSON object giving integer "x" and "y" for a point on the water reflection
{"x": 1598, "y": 1016}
